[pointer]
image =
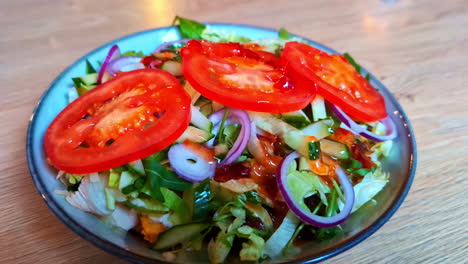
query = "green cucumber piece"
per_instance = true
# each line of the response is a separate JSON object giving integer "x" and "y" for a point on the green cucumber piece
{"x": 173, "y": 67}
{"x": 319, "y": 110}
{"x": 89, "y": 79}
{"x": 179, "y": 234}
{"x": 137, "y": 168}
{"x": 320, "y": 129}
{"x": 297, "y": 119}
{"x": 304, "y": 164}
{"x": 335, "y": 149}
{"x": 200, "y": 120}
{"x": 195, "y": 135}
{"x": 126, "y": 178}
{"x": 110, "y": 199}
{"x": 292, "y": 136}
{"x": 192, "y": 92}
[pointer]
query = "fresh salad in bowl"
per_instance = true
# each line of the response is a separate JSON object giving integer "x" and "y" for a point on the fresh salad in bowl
{"x": 214, "y": 142}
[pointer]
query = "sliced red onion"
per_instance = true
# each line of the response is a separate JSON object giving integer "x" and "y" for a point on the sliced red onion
{"x": 304, "y": 214}
{"x": 189, "y": 165}
{"x": 113, "y": 54}
{"x": 390, "y": 128}
{"x": 170, "y": 43}
{"x": 125, "y": 64}
{"x": 235, "y": 116}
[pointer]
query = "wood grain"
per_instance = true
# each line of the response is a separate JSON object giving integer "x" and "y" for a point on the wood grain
{"x": 417, "y": 48}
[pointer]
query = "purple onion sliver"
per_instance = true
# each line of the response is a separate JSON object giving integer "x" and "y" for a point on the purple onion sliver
{"x": 390, "y": 128}
{"x": 170, "y": 43}
{"x": 114, "y": 53}
{"x": 304, "y": 214}
{"x": 235, "y": 116}
{"x": 188, "y": 165}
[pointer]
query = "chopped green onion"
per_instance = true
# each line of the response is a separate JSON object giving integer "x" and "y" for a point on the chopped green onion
{"x": 314, "y": 150}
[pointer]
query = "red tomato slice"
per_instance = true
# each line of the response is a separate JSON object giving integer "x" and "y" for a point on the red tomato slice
{"x": 337, "y": 81}
{"x": 238, "y": 77}
{"x": 127, "y": 118}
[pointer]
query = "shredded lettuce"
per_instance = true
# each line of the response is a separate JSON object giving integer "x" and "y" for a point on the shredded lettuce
{"x": 253, "y": 248}
{"x": 280, "y": 238}
{"x": 304, "y": 184}
{"x": 371, "y": 185}
{"x": 222, "y": 36}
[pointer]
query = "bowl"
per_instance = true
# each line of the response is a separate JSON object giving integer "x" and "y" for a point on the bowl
{"x": 401, "y": 163}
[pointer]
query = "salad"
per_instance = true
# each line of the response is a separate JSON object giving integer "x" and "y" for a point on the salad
{"x": 243, "y": 149}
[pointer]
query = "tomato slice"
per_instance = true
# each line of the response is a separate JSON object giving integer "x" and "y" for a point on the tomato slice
{"x": 236, "y": 76}
{"x": 132, "y": 116}
{"x": 336, "y": 80}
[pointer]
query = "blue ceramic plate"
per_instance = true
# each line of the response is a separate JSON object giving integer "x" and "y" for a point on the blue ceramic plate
{"x": 401, "y": 163}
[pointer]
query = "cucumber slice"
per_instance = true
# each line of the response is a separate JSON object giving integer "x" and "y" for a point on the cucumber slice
{"x": 195, "y": 135}
{"x": 318, "y": 108}
{"x": 179, "y": 234}
{"x": 200, "y": 120}
{"x": 293, "y": 137}
{"x": 173, "y": 67}
{"x": 192, "y": 92}
{"x": 126, "y": 178}
{"x": 303, "y": 164}
{"x": 110, "y": 199}
{"x": 297, "y": 119}
{"x": 335, "y": 149}
{"x": 137, "y": 165}
{"x": 320, "y": 129}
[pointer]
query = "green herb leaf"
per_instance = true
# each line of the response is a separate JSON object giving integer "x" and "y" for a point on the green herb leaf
{"x": 89, "y": 68}
{"x": 128, "y": 189}
{"x": 159, "y": 176}
{"x": 314, "y": 150}
{"x": 351, "y": 165}
{"x": 133, "y": 53}
{"x": 352, "y": 62}
{"x": 361, "y": 172}
{"x": 120, "y": 168}
{"x": 73, "y": 187}
{"x": 231, "y": 133}
{"x": 219, "y": 137}
{"x": 190, "y": 28}
{"x": 202, "y": 198}
{"x": 284, "y": 34}
{"x": 367, "y": 77}
{"x": 253, "y": 197}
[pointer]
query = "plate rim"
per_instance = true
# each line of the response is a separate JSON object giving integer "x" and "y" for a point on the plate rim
{"x": 136, "y": 258}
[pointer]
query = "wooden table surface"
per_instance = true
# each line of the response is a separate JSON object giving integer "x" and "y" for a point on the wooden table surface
{"x": 417, "y": 48}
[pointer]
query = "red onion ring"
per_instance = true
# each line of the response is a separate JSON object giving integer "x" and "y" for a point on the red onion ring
{"x": 391, "y": 131}
{"x": 304, "y": 214}
{"x": 113, "y": 54}
{"x": 235, "y": 116}
{"x": 188, "y": 165}
{"x": 170, "y": 43}
{"x": 123, "y": 64}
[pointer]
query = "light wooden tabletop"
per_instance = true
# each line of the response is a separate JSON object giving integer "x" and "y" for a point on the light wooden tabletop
{"x": 417, "y": 48}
